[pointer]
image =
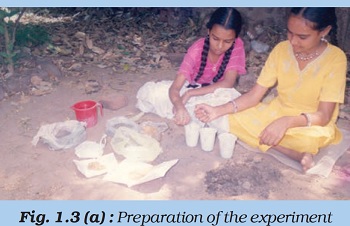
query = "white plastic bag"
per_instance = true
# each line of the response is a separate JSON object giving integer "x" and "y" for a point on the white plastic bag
{"x": 116, "y": 122}
{"x": 154, "y": 129}
{"x": 91, "y": 149}
{"x": 134, "y": 145}
{"x": 61, "y": 135}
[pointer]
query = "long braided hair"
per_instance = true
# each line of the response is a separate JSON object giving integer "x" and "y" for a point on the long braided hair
{"x": 321, "y": 17}
{"x": 229, "y": 18}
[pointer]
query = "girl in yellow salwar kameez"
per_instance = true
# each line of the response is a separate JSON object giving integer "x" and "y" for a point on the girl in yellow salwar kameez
{"x": 310, "y": 75}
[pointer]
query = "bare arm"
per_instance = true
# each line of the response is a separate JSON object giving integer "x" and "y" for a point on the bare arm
{"x": 320, "y": 118}
{"x": 174, "y": 91}
{"x": 206, "y": 113}
{"x": 251, "y": 98}
{"x": 181, "y": 115}
{"x": 323, "y": 115}
{"x": 274, "y": 132}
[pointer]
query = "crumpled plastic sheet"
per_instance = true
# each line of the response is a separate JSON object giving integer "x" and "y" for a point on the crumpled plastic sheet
{"x": 131, "y": 172}
{"x": 61, "y": 135}
{"x": 116, "y": 122}
{"x": 91, "y": 149}
{"x": 135, "y": 145}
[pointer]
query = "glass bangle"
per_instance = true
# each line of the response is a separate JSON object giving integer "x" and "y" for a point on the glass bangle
{"x": 308, "y": 119}
{"x": 235, "y": 108}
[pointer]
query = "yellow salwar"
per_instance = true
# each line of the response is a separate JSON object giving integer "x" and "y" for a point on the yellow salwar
{"x": 299, "y": 91}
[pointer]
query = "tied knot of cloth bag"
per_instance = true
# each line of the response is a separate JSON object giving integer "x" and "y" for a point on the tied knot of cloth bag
{"x": 324, "y": 160}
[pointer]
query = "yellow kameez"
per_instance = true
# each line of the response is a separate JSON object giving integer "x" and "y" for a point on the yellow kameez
{"x": 299, "y": 91}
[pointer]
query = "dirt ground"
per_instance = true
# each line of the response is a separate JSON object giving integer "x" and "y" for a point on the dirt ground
{"x": 35, "y": 172}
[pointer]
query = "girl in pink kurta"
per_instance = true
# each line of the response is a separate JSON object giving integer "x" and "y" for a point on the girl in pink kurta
{"x": 207, "y": 74}
{"x": 192, "y": 61}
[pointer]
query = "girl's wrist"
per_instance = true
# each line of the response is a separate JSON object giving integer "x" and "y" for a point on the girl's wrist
{"x": 291, "y": 121}
{"x": 179, "y": 107}
{"x": 223, "y": 109}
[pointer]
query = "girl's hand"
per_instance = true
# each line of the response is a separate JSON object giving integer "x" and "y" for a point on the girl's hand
{"x": 274, "y": 132}
{"x": 182, "y": 117}
{"x": 205, "y": 113}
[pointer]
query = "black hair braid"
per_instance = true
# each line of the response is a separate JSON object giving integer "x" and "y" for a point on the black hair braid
{"x": 205, "y": 52}
{"x": 223, "y": 64}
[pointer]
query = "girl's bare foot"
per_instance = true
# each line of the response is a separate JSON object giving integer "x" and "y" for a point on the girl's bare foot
{"x": 307, "y": 161}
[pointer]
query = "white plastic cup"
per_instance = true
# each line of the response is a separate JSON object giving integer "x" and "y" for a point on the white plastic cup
{"x": 227, "y": 143}
{"x": 207, "y": 138}
{"x": 192, "y": 134}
